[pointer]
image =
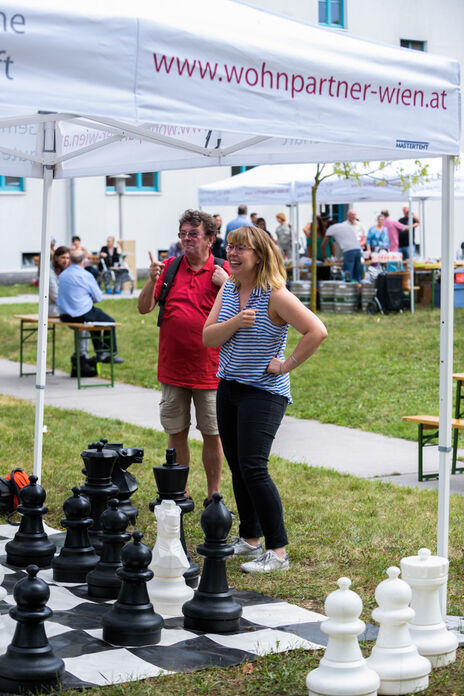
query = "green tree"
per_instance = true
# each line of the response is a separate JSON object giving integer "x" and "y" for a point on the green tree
{"x": 380, "y": 174}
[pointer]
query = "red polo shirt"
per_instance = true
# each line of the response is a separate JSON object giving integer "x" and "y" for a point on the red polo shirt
{"x": 183, "y": 360}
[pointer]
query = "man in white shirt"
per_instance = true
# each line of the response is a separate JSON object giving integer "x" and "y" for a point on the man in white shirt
{"x": 346, "y": 238}
{"x": 353, "y": 220}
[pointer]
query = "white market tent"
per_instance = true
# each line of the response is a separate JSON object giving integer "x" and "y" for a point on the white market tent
{"x": 100, "y": 86}
{"x": 289, "y": 184}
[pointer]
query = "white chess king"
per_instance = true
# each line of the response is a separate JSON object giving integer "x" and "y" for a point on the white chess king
{"x": 168, "y": 590}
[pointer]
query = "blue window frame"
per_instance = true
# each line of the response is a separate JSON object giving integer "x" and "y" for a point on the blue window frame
{"x": 331, "y": 13}
{"x": 239, "y": 170}
{"x": 146, "y": 181}
{"x": 11, "y": 183}
{"x": 411, "y": 43}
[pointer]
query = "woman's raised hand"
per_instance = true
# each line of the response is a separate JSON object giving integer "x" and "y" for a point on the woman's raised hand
{"x": 246, "y": 318}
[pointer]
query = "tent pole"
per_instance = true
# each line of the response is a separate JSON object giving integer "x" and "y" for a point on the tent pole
{"x": 49, "y": 139}
{"x": 295, "y": 264}
{"x": 297, "y": 228}
{"x": 411, "y": 249}
{"x": 422, "y": 227}
{"x": 446, "y": 359}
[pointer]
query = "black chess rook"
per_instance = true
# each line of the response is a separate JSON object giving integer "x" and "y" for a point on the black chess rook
{"x": 213, "y": 609}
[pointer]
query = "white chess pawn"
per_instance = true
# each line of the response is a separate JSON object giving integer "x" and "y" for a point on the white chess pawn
{"x": 394, "y": 657}
{"x": 343, "y": 670}
{"x": 168, "y": 590}
{"x": 426, "y": 574}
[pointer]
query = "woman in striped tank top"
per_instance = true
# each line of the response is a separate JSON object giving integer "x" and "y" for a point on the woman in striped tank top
{"x": 250, "y": 320}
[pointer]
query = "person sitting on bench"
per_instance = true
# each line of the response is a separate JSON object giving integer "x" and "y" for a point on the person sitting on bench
{"x": 77, "y": 292}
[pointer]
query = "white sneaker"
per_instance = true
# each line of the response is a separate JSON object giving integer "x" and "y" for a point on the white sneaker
{"x": 266, "y": 563}
{"x": 243, "y": 548}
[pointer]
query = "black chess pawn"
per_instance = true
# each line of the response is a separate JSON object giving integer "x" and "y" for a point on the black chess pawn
{"x": 77, "y": 557}
{"x": 132, "y": 621}
{"x": 213, "y": 609}
{"x": 103, "y": 581}
{"x": 171, "y": 481}
{"x": 123, "y": 479}
{"x": 31, "y": 544}
{"x": 98, "y": 487}
{"x": 29, "y": 664}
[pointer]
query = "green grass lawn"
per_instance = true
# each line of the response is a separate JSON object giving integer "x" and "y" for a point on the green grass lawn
{"x": 18, "y": 289}
{"x": 337, "y": 524}
{"x": 370, "y": 371}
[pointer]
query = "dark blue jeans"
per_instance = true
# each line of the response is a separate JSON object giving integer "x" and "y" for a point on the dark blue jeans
{"x": 96, "y": 314}
{"x": 248, "y": 419}
{"x": 352, "y": 264}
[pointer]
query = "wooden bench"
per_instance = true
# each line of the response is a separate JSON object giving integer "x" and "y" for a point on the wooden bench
{"x": 430, "y": 425}
{"x": 29, "y": 327}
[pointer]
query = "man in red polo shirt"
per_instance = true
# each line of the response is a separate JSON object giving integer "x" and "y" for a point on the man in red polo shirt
{"x": 186, "y": 368}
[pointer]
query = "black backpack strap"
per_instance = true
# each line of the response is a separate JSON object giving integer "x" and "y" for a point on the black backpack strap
{"x": 169, "y": 277}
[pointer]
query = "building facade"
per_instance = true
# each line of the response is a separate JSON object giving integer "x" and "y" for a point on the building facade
{"x": 152, "y": 204}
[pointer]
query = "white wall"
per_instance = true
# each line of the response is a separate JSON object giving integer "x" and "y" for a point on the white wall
{"x": 151, "y": 219}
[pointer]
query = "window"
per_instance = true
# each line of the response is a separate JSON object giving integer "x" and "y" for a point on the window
{"x": 11, "y": 183}
{"x": 28, "y": 258}
{"x": 331, "y": 13}
{"x": 148, "y": 181}
{"x": 415, "y": 45}
{"x": 240, "y": 170}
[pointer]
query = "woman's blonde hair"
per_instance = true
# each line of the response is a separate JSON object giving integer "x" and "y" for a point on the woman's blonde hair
{"x": 271, "y": 270}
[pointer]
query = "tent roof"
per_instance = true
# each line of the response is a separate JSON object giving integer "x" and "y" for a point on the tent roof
{"x": 173, "y": 85}
{"x": 286, "y": 184}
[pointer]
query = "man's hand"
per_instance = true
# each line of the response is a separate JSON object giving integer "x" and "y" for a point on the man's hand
{"x": 246, "y": 318}
{"x": 155, "y": 268}
{"x": 219, "y": 276}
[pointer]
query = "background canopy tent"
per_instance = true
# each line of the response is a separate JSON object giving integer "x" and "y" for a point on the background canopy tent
{"x": 283, "y": 184}
{"x": 100, "y": 86}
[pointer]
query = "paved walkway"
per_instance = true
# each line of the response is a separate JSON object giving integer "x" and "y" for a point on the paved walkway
{"x": 346, "y": 450}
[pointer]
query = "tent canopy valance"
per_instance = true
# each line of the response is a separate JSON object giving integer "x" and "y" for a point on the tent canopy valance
{"x": 181, "y": 84}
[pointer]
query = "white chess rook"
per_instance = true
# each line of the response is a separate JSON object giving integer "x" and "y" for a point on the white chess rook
{"x": 426, "y": 574}
{"x": 168, "y": 590}
{"x": 394, "y": 657}
{"x": 343, "y": 670}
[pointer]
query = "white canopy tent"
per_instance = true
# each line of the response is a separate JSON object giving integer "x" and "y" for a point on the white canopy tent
{"x": 99, "y": 86}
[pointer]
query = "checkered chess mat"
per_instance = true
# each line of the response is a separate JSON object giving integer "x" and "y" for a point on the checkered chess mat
{"x": 74, "y": 631}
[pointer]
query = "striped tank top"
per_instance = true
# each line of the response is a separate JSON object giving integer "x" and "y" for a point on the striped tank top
{"x": 246, "y": 355}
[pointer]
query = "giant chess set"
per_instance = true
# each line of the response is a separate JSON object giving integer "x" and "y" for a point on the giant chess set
{"x": 94, "y": 605}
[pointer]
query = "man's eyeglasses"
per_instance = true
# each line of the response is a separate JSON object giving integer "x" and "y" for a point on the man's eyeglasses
{"x": 193, "y": 234}
{"x": 239, "y": 248}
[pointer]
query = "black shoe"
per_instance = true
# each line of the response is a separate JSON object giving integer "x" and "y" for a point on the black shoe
{"x": 88, "y": 368}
